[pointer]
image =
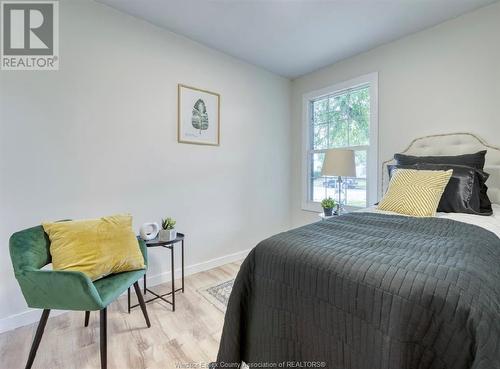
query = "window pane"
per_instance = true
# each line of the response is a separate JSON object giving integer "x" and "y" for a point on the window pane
{"x": 356, "y": 187}
{"x": 356, "y": 192}
{"x": 360, "y": 161}
{"x": 339, "y": 134}
{"x": 320, "y": 111}
{"x": 315, "y": 179}
{"x": 359, "y": 117}
{"x": 320, "y": 136}
{"x": 316, "y": 164}
{"x": 323, "y": 187}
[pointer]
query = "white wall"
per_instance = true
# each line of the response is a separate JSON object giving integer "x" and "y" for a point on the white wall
{"x": 445, "y": 79}
{"x": 98, "y": 137}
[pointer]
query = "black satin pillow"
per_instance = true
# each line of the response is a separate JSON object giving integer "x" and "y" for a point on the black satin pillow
{"x": 471, "y": 160}
{"x": 475, "y": 160}
{"x": 462, "y": 193}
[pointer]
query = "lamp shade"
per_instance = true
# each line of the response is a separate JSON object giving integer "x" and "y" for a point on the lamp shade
{"x": 339, "y": 162}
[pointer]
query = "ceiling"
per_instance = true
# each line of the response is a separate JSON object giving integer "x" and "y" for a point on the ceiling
{"x": 292, "y": 38}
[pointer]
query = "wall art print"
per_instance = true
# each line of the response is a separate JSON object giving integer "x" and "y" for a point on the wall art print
{"x": 198, "y": 116}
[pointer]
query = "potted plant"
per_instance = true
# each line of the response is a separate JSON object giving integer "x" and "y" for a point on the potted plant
{"x": 168, "y": 232}
{"x": 328, "y": 204}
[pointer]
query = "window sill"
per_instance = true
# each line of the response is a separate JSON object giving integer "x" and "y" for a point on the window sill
{"x": 315, "y": 207}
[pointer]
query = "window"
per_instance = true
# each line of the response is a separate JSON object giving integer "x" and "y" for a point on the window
{"x": 341, "y": 116}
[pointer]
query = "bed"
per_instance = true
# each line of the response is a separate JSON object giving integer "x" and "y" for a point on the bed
{"x": 374, "y": 290}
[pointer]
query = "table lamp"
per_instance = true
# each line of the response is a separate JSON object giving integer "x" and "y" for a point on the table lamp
{"x": 339, "y": 163}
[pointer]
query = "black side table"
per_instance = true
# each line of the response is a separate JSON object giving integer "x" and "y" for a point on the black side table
{"x": 168, "y": 245}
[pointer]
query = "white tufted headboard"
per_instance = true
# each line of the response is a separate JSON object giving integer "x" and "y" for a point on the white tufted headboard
{"x": 455, "y": 144}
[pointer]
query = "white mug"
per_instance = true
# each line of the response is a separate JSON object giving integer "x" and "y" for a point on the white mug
{"x": 149, "y": 231}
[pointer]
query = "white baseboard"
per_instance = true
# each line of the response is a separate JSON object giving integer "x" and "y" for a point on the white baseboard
{"x": 30, "y": 316}
{"x": 196, "y": 268}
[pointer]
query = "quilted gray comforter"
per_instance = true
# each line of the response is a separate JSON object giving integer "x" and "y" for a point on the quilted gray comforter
{"x": 370, "y": 291}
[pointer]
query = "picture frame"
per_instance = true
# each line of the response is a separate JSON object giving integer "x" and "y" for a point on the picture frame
{"x": 198, "y": 116}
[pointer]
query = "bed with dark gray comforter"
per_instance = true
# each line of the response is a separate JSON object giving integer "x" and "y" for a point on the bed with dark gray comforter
{"x": 368, "y": 290}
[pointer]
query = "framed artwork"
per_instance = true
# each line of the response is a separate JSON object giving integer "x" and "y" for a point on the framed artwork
{"x": 198, "y": 116}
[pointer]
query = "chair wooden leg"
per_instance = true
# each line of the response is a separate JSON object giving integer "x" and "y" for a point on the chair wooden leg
{"x": 87, "y": 317}
{"x": 142, "y": 303}
{"x": 104, "y": 343}
{"x": 38, "y": 337}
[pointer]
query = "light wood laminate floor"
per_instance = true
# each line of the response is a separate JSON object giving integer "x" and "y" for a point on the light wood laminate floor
{"x": 189, "y": 335}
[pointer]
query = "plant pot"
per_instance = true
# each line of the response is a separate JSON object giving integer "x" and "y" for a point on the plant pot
{"x": 167, "y": 234}
{"x": 328, "y": 212}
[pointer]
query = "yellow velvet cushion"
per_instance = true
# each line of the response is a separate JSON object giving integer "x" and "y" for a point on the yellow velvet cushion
{"x": 415, "y": 192}
{"x": 96, "y": 247}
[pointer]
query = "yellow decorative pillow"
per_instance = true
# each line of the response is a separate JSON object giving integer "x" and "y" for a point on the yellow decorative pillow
{"x": 96, "y": 247}
{"x": 415, "y": 192}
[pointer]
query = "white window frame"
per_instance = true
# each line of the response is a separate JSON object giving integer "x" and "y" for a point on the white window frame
{"x": 370, "y": 79}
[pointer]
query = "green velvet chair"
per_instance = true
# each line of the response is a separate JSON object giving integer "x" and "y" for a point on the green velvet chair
{"x": 66, "y": 290}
